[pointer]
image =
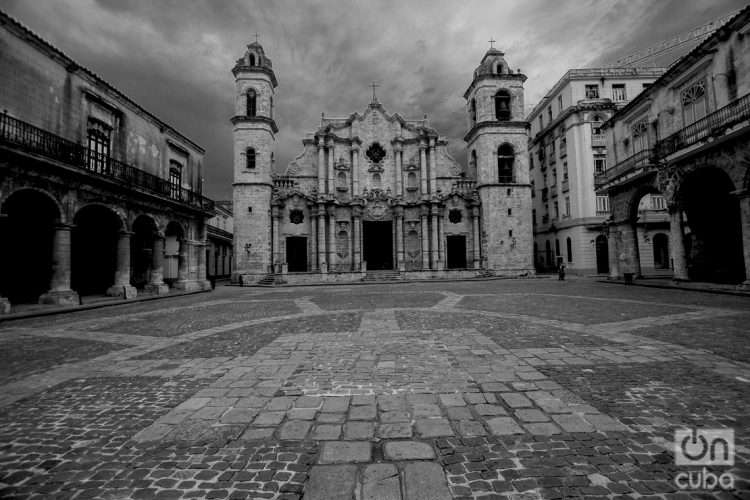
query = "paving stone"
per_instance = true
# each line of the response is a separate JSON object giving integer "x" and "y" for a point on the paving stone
{"x": 326, "y": 432}
{"x": 253, "y": 433}
{"x": 425, "y": 481}
{"x": 331, "y": 482}
{"x": 489, "y": 410}
{"x": 356, "y": 430}
{"x": 389, "y": 403}
{"x": 573, "y": 423}
{"x": 266, "y": 418}
{"x": 381, "y": 482}
{"x": 407, "y": 450}
{"x": 294, "y": 429}
{"x": 459, "y": 413}
{"x": 605, "y": 423}
{"x": 308, "y": 402}
{"x": 422, "y": 410}
{"x": 337, "y": 452}
{"x": 542, "y": 429}
{"x": 302, "y": 413}
{"x": 330, "y": 418}
{"x": 335, "y": 404}
{"x": 239, "y": 416}
{"x": 421, "y": 399}
{"x": 395, "y": 430}
{"x": 470, "y": 428}
{"x": 363, "y": 399}
{"x": 193, "y": 404}
{"x": 454, "y": 399}
{"x": 251, "y": 402}
{"x": 394, "y": 416}
{"x": 531, "y": 415}
{"x": 433, "y": 427}
{"x": 474, "y": 398}
{"x": 363, "y": 412}
{"x": 494, "y": 387}
{"x": 515, "y": 399}
{"x": 279, "y": 404}
{"x": 501, "y": 426}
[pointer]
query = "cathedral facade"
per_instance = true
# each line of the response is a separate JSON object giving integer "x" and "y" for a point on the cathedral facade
{"x": 374, "y": 191}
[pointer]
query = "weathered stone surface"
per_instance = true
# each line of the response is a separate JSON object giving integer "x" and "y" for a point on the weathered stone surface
{"x": 501, "y": 426}
{"x": 343, "y": 452}
{"x": 295, "y": 429}
{"x": 433, "y": 427}
{"x": 425, "y": 481}
{"x": 331, "y": 482}
{"x": 395, "y": 430}
{"x": 408, "y": 450}
{"x": 381, "y": 482}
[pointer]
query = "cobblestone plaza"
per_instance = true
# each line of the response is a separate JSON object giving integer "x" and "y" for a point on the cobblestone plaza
{"x": 518, "y": 389}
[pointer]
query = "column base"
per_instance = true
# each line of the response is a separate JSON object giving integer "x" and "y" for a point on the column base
{"x": 4, "y": 305}
{"x": 125, "y": 291}
{"x": 157, "y": 288}
{"x": 192, "y": 285}
{"x": 323, "y": 268}
{"x": 60, "y": 298}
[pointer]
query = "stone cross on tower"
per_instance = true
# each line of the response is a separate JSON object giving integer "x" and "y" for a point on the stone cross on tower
{"x": 492, "y": 42}
{"x": 256, "y": 38}
{"x": 374, "y": 97}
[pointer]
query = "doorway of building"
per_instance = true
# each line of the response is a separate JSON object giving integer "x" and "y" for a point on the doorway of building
{"x": 94, "y": 255}
{"x": 296, "y": 254}
{"x": 660, "y": 243}
{"x": 456, "y": 251}
{"x": 378, "y": 244}
{"x": 602, "y": 254}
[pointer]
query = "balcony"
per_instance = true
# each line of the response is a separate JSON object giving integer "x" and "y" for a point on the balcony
{"x": 464, "y": 186}
{"x": 20, "y": 135}
{"x": 640, "y": 160}
{"x": 598, "y": 141}
{"x": 711, "y": 125}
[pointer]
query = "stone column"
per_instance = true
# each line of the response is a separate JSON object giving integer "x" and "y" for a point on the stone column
{"x": 423, "y": 167}
{"x": 677, "y": 243}
{"x": 331, "y": 237}
{"x": 613, "y": 245}
{"x": 59, "y": 289}
{"x": 121, "y": 286}
{"x": 314, "y": 265}
{"x": 357, "y": 244}
{"x": 321, "y": 165}
{"x": 4, "y": 302}
{"x": 331, "y": 169}
{"x": 200, "y": 248}
{"x": 355, "y": 169}
{"x": 156, "y": 284}
{"x": 477, "y": 243}
{"x": 322, "y": 260}
{"x": 276, "y": 260}
{"x": 433, "y": 167}
{"x": 399, "y": 179}
{"x": 399, "y": 212}
{"x": 435, "y": 230}
{"x": 424, "y": 212}
{"x": 745, "y": 227}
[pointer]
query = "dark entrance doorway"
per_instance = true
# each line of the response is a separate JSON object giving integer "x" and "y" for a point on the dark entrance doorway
{"x": 602, "y": 254}
{"x": 660, "y": 242}
{"x": 456, "y": 252}
{"x": 378, "y": 244}
{"x": 94, "y": 256}
{"x": 296, "y": 254}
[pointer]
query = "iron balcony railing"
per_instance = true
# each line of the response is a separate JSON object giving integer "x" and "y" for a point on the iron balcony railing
{"x": 598, "y": 141}
{"x": 27, "y": 137}
{"x": 643, "y": 158}
{"x": 464, "y": 186}
{"x": 710, "y": 125}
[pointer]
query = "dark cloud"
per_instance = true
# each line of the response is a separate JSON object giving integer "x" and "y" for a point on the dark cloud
{"x": 174, "y": 56}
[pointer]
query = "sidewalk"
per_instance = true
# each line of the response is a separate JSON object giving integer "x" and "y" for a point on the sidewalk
{"x": 697, "y": 286}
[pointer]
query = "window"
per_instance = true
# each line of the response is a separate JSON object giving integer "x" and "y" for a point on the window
{"x": 549, "y": 113}
{"x": 411, "y": 182}
{"x": 565, "y": 171}
{"x": 473, "y": 162}
{"x": 559, "y": 102}
{"x": 533, "y": 191}
{"x": 557, "y": 248}
{"x": 569, "y": 248}
{"x": 592, "y": 91}
{"x": 252, "y": 59}
{"x": 531, "y": 162}
{"x": 618, "y": 92}
{"x": 341, "y": 183}
{"x": 557, "y": 211}
{"x": 567, "y": 206}
{"x": 175, "y": 180}
{"x": 640, "y": 135}
{"x": 505, "y": 160}
{"x": 98, "y": 146}
{"x": 251, "y": 99}
{"x": 602, "y": 205}
{"x": 600, "y": 164}
{"x": 693, "y": 102}
{"x": 596, "y": 126}
{"x": 499, "y": 68}
{"x": 541, "y": 126}
{"x": 250, "y": 158}
{"x": 731, "y": 76}
{"x": 502, "y": 105}
{"x": 533, "y": 217}
{"x": 473, "y": 111}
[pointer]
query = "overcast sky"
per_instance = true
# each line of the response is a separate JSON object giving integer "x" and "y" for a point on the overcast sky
{"x": 174, "y": 56}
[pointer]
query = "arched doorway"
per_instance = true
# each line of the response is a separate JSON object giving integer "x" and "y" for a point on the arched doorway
{"x": 141, "y": 250}
{"x": 28, "y": 227}
{"x": 602, "y": 254}
{"x": 660, "y": 243}
{"x": 715, "y": 231}
{"x": 94, "y": 249}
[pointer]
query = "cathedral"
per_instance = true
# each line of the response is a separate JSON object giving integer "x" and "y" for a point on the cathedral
{"x": 376, "y": 192}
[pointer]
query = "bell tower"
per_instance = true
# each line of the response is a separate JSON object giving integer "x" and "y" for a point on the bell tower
{"x": 497, "y": 143}
{"x": 254, "y": 131}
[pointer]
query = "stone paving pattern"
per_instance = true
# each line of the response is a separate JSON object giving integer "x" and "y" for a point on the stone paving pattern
{"x": 520, "y": 389}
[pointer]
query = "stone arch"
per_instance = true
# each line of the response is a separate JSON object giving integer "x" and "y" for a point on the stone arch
{"x": 502, "y": 100}
{"x": 145, "y": 231}
{"x": 31, "y": 216}
{"x": 62, "y": 217}
{"x": 94, "y": 241}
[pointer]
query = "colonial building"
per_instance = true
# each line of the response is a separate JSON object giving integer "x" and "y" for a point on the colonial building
{"x": 686, "y": 138}
{"x": 375, "y": 191}
{"x": 219, "y": 252}
{"x": 93, "y": 187}
{"x": 566, "y": 149}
